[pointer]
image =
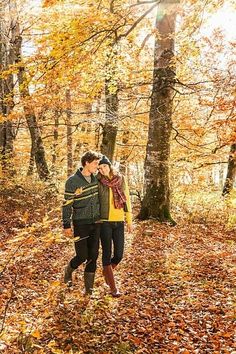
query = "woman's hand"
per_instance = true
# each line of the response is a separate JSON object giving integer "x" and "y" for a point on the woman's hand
{"x": 129, "y": 228}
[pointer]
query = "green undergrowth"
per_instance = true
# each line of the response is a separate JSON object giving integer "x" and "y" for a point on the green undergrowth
{"x": 205, "y": 206}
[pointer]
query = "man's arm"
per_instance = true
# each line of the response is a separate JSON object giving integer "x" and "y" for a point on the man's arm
{"x": 67, "y": 204}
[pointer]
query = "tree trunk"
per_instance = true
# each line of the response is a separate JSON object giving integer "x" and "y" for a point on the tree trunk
{"x": 77, "y": 154}
{"x": 55, "y": 139}
{"x": 231, "y": 173}
{"x": 156, "y": 201}
{"x": 6, "y": 99}
{"x": 35, "y": 133}
{"x": 124, "y": 159}
{"x": 69, "y": 134}
{"x": 30, "y": 171}
{"x": 30, "y": 116}
{"x": 7, "y": 138}
{"x": 98, "y": 126}
{"x": 110, "y": 127}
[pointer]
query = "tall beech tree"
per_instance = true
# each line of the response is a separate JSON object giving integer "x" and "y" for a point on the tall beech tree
{"x": 110, "y": 127}
{"x": 156, "y": 201}
{"x": 37, "y": 148}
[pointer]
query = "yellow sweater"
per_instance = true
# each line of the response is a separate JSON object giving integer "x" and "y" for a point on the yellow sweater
{"x": 120, "y": 214}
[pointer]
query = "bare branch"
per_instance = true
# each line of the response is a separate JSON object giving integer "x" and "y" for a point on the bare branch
{"x": 143, "y": 2}
{"x": 209, "y": 164}
{"x": 138, "y": 21}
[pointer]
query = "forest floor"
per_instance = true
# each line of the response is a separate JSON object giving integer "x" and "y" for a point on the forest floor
{"x": 177, "y": 283}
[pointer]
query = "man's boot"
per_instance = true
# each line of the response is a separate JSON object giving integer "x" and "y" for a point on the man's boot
{"x": 68, "y": 275}
{"x": 88, "y": 282}
{"x": 109, "y": 277}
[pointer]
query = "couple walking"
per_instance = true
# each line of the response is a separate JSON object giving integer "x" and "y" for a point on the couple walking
{"x": 97, "y": 205}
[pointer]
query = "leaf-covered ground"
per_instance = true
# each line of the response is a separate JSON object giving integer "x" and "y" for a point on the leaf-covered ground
{"x": 177, "y": 284}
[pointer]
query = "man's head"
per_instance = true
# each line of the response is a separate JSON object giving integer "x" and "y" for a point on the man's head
{"x": 90, "y": 161}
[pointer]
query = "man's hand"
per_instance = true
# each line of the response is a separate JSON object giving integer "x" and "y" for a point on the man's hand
{"x": 129, "y": 228}
{"x": 68, "y": 233}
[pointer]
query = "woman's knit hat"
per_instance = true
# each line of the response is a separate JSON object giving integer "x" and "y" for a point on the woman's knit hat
{"x": 105, "y": 161}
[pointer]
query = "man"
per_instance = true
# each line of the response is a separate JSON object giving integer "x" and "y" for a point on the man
{"x": 82, "y": 206}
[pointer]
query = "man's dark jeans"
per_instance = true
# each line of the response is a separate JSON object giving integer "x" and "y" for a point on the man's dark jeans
{"x": 112, "y": 234}
{"x": 87, "y": 246}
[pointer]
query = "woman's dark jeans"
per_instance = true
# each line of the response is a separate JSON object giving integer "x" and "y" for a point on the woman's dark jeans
{"x": 86, "y": 248}
{"x": 112, "y": 237}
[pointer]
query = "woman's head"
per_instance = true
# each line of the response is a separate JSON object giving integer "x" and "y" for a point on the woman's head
{"x": 105, "y": 166}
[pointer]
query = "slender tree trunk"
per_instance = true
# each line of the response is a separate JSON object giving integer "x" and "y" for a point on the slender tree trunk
{"x": 30, "y": 116}
{"x": 77, "y": 153}
{"x": 231, "y": 173}
{"x": 55, "y": 139}
{"x": 35, "y": 133}
{"x": 6, "y": 97}
{"x": 124, "y": 159}
{"x": 156, "y": 201}
{"x": 69, "y": 134}
{"x": 98, "y": 130}
{"x": 30, "y": 171}
{"x": 7, "y": 148}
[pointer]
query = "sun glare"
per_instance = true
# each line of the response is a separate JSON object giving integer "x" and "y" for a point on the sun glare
{"x": 225, "y": 20}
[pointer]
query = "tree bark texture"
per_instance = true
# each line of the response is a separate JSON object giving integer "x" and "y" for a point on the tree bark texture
{"x": 156, "y": 201}
{"x": 231, "y": 172}
{"x": 6, "y": 95}
{"x": 110, "y": 127}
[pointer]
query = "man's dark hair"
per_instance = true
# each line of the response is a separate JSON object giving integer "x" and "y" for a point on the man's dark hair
{"x": 89, "y": 157}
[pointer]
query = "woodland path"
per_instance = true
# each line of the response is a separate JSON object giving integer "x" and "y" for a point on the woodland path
{"x": 178, "y": 293}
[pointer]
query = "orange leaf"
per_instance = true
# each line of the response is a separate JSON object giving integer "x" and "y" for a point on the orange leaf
{"x": 36, "y": 334}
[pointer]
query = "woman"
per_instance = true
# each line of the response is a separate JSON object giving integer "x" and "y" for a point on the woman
{"x": 115, "y": 209}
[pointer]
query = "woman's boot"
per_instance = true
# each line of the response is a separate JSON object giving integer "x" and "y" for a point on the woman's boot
{"x": 109, "y": 278}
